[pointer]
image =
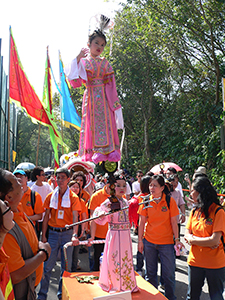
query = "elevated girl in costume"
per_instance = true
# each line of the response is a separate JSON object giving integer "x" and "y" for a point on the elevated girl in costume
{"x": 101, "y": 109}
{"x": 117, "y": 271}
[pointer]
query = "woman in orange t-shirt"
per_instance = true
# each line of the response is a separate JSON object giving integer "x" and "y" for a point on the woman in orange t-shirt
{"x": 6, "y": 223}
{"x": 205, "y": 227}
{"x": 158, "y": 237}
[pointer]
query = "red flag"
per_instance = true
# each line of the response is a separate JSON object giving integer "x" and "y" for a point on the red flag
{"x": 21, "y": 91}
{"x": 23, "y": 94}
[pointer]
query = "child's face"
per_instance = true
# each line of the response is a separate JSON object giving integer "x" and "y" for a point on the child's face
{"x": 120, "y": 188}
{"x": 97, "y": 46}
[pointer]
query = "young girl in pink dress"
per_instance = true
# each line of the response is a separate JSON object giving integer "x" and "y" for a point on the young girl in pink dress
{"x": 101, "y": 109}
{"x": 117, "y": 271}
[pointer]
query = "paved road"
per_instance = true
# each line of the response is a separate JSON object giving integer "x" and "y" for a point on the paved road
{"x": 181, "y": 273}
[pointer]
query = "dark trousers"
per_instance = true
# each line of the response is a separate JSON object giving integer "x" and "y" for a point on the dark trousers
{"x": 38, "y": 227}
{"x": 167, "y": 258}
{"x": 215, "y": 279}
{"x": 140, "y": 261}
{"x": 98, "y": 249}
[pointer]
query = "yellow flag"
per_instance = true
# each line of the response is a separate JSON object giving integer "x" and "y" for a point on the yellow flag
{"x": 14, "y": 156}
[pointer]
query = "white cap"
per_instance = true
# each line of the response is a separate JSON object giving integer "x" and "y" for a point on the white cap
{"x": 201, "y": 170}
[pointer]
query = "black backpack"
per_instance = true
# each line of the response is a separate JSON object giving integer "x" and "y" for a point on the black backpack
{"x": 168, "y": 200}
{"x": 32, "y": 199}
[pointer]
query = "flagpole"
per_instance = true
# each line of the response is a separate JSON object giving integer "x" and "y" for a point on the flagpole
{"x": 8, "y": 129}
{"x": 61, "y": 105}
{"x": 9, "y": 158}
{"x": 62, "y": 133}
{"x": 39, "y": 133}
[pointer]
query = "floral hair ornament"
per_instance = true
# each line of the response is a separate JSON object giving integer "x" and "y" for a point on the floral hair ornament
{"x": 119, "y": 176}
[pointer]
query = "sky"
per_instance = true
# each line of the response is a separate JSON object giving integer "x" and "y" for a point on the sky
{"x": 61, "y": 25}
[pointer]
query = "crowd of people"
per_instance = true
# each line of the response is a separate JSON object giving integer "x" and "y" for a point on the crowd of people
{"x": 34, "y": 214}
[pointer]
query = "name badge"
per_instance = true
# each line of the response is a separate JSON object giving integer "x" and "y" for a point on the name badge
{"x": 60, "y": 214}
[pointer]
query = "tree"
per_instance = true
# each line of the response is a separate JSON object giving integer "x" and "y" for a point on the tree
{"x": 27, "y": 139}
{"x": 168, "y": 55}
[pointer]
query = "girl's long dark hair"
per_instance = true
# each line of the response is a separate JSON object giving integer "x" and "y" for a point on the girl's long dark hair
{"x": 144, "y": 184}
{"x": 207, "y": 194}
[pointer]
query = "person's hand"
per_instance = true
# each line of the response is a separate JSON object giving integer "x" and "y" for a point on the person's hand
{"x": 89, "y": 241}
{"x": 182, "y": 219}
{"x": 45, "y": 246}
{"x": 75, "y": 241}
{"x": 53, "y": 180}
{"x": 179, "y": 244}
{"x": 44, "y": 239}
{"x": 189, "y": 199}
{"x": 83, "y": 53}
{"x": 188, "y": 238}
{"x": 140, "y": 246}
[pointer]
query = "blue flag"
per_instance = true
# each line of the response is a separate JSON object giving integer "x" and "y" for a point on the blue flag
{"x": 69, "y": 113}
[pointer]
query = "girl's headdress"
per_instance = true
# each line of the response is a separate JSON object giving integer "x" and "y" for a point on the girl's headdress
{"x": 119, "y": 176}
{"x": 100, "y": 23}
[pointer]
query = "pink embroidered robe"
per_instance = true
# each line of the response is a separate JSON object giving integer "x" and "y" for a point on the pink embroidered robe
{"x": 98, "y": 127}
{"x": 117, "y": 271}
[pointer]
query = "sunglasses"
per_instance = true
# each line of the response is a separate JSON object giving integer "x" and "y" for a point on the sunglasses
{"x": 7, "y": 209}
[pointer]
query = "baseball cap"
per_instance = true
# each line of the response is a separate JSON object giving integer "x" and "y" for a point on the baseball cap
{"x": 19, "y": 172}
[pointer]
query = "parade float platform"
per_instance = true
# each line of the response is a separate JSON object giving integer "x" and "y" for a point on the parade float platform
{"x": 72, "y": 289}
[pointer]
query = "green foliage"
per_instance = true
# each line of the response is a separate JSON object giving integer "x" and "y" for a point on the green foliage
{"x": 168, "y": 58}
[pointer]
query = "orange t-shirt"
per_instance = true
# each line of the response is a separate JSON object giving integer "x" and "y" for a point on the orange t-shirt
{"x": 5, "y": 279}
{"x": 85, "y": 195}
{"x": 159, "y": 229}
{"x": 96, "y": 200}
{"x": 12, "y": 249}
{"x": 84, "y": 208}
{"x": 67, "y": 218}
{"x": 26, "y": 204}
{"x": 206, "y": 257}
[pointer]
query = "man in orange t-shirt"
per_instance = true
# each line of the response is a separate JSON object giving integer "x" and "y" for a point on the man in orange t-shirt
{"x": 98, "y": 232}
{"x": 62, "y": 207}
{"x": 35, "y": 213}
{"x": 20, "y": 267}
